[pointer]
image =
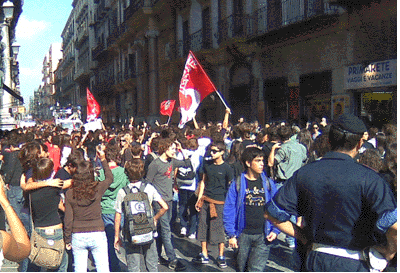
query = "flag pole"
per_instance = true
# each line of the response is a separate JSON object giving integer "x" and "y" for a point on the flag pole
{"x": 169, "y": 118}
{"x": 219, "y": 95}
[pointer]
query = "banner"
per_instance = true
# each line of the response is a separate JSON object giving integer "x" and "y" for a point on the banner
{"x": 195, "y": 86}
{"x": 93, "y": 108}
{"x": 167, "y": 107}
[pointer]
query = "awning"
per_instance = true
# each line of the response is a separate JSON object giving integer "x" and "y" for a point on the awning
{"x": 12, "y": 93}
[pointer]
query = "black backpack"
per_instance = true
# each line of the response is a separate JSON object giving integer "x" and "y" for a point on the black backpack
{"x": 138, "y": 223}
{"x": 185, "y": 175}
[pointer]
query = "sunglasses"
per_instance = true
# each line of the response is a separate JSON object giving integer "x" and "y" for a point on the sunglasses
{"x": 315, "y": 127}
{"x": 122, "y": 140}
{"x": 215, "y": 151}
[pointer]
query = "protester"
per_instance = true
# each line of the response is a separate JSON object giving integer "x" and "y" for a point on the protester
{"x": 243, "y": 211}
{"x": 342, "y": 203}
{"x": 160, "y": 175}
{"x": 113, "y": 157}
{"x": 211, "y": 197}
{"x": 135, "y": 253}
{"x": 84, "y": 227}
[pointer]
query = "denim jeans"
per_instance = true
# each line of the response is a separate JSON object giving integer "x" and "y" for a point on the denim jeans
{"x": 17, "y": 200}
{"x": 253, "y": 250}
{"x": 289, "y": 239}
{"x": 113, "y": 260}
{"x": 134, "y": 256}
{"x": 164, "y": 232}
{"x": 58, "y": 234}
{"x": 96, "y": 243}
{"x": 186, "y": 203}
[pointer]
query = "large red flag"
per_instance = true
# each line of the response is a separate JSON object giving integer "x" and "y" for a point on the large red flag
{"x": 93, "y": 108}
{"x": 167, "y": 107}
{"x": 195, "y": 86}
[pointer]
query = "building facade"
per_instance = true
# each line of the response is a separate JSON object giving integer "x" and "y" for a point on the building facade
{"x": 270, "y": 59}
{"x": 10, "y": 94}
{"x": 45, "y": 94}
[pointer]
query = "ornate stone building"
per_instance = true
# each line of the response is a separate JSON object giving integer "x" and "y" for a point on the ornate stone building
{"x": 270, "y": 59}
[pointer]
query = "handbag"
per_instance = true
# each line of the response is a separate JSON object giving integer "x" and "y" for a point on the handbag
{"x": 45, "y": 252}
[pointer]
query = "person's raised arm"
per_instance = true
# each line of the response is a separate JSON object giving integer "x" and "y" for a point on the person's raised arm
{"x": 226, "y": 118}
{"x": 271, "y": 158}
{"x": 195, "y": 123}
{"x": 16, "y": 246}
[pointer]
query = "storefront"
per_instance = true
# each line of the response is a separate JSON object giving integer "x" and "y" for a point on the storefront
{"x": 374, "y": 89}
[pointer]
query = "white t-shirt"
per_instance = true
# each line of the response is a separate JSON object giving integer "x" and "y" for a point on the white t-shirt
{"x": 152, "y": 194}
{"x": 1, "y": 258}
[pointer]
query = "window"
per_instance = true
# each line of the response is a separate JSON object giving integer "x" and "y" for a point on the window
{"x": 292, "y": 11}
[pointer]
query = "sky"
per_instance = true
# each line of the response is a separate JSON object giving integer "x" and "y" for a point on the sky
{"x": 40, "y": 25}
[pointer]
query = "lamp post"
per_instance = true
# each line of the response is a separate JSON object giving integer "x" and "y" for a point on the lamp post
{"x": 8, "y": 11}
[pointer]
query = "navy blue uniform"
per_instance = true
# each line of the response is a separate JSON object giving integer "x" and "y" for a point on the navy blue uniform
{"x": 342, "y": 203}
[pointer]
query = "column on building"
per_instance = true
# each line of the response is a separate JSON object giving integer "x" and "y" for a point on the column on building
{"x": 138, "y": 47}
{"x": 152, "y": 35}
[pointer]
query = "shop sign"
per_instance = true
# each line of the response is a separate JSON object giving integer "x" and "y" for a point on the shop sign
{"x": 376, "y": 74}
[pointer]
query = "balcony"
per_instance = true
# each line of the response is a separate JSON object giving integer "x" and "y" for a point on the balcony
{"x": 82, "y": 71}
{"x": 98, "y": 51}
{"x": 69, "y": 58}
{"x": 200, "y": 40}
{"x": 112, "y": 38}
{"x": 274, "y": 16}
{"x": 83, "y": 34}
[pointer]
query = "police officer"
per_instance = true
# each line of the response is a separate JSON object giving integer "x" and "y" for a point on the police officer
{"x": 343, "y": 204}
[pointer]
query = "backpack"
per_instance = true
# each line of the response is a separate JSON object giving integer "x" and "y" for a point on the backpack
{"x": 185, "y": 175}
{"x": 138, "y": 223}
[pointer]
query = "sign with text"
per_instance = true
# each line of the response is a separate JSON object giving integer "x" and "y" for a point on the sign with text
{"x": 376, "y": 74}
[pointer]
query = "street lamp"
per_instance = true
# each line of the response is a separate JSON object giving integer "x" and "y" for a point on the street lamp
{"x": 15, "y": 49}
{"x": 8, "y": 10}
{"x": 6, "y": 102}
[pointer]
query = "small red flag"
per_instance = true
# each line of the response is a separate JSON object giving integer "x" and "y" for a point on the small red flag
{"x": 93, "y": 107}
{"x": 195, "y": 86}
{"x": 167, "y": 107}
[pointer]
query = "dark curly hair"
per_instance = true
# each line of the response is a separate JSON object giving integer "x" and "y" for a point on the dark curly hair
{"x": 84, "y": 186}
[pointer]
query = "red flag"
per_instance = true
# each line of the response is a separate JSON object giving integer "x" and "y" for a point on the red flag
{"x": 93, "y": 108}
{"x": 195, "y": 86}
{"x": 167, "y": 107}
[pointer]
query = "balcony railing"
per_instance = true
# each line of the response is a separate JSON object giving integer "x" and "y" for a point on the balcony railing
{"x": 83, "y": 69}
{"x": 133, "y": 8}
{"x": 83, "y": 33}
{"x": 116, "y": 32}
{"x": 97, "y": 51}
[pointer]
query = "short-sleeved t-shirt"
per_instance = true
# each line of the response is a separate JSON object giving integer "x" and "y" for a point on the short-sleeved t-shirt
{"x": 254, "y": 209}
{"x": 217, "y": 182}
{"x": 45, "y": 206}
{"x": 152, "y": 194}
{"x": 339, "y": 199}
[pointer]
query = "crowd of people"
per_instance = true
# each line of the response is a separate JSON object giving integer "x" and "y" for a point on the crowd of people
{"x": 227, "y": 185}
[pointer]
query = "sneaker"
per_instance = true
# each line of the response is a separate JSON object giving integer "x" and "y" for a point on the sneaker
{"x": 183, "y": 232}
{"x": 192, "y": 236}
{"x": 176, "y": 265}
{"x": 163, "y": 261}
{"x": 221, "y": 262}
{"x": 201, "y": 259}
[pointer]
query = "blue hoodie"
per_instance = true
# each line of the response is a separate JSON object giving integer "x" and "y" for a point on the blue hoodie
{"x": 234, "y": 207}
